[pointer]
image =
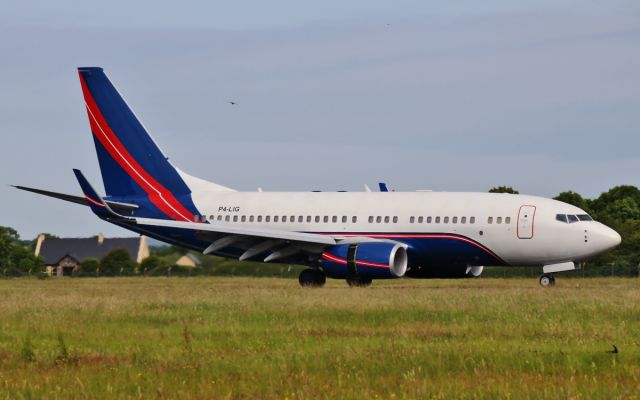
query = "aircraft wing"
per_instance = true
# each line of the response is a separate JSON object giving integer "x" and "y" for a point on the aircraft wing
{"x": 237, "y": 230}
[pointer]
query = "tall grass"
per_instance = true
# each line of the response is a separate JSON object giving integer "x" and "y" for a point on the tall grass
{"x": 268, "y": 338}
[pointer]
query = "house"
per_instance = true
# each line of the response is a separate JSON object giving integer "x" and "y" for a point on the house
{"x": 189, "y": 261}
{"x": 62, "y": 256}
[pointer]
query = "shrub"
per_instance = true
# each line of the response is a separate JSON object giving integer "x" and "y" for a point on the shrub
{"x": 117, "y": 262}
{"x": 88, "y": 267}
{"x": 149, "y": 264}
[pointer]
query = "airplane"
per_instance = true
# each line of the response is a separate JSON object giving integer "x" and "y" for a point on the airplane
{"x": 355, "y": 236}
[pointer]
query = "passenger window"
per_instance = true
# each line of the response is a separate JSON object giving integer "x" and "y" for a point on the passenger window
{"x": 455, "y": 220}
{"x": 499, "y": 220}
{"x": 378, "y": 219}
{"x": 472, "y": 220}
{"x": 561, "y": 218}
{"x": 572, "y": 218}
{"x": 463, "y": 220}
{"x": 212, "y": 217}
{"x": 267, "y": 218}
{"x": 354, "y": 219}
{"x": 334, "y": 219}
{"x": 370, "y": 219}
{"x": 412, "y": 220}
{"x": 344, "y": 219}
{"x": 219, "y": 217}
{"x": 284, "y": 218}
{"x": 490, "y": 220}
{"x": 308, "y": 218}
{"x": 259, "y": 218}
{"x": 275, "y": 218}
{"x": 243, "y": 219}
{"x": 227, "y": 218}
{"x": 420, "y": 219}
{"x": 386, "y": 220}
{"x": 507, "y": 220}
{"x": 429, "y": 219}
{"x": 251, "y": 218}
{"x": 317, "y": 218}
{"x": 235, "y": 218}
{"x": 446, "y": 220}
{"x": 395, "y": 220}
{"x": 326, "y": 219}
{"x": 301, "y": 219}
{"x": 437, "y": 220}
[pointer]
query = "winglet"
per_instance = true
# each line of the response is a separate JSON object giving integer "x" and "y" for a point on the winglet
{"x": 97, "y": 204}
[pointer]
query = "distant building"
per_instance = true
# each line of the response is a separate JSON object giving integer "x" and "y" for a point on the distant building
{"x": 188, "y": 260}
{"x": 62, "y": 256}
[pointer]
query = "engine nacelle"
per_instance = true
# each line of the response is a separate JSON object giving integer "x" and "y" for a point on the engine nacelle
{"x": 369, "y": 260}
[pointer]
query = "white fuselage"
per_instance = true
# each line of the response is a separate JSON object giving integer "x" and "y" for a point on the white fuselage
{"x": 520, "y": 229}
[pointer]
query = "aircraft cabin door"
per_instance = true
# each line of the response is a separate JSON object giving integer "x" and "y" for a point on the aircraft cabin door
{"x": 526, "y": 217}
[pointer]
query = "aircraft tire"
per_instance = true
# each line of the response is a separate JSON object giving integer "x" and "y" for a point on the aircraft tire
{"x": 312, "y": 278}
{"x": 359, "y": 282}
{"x": 547, "y": 280}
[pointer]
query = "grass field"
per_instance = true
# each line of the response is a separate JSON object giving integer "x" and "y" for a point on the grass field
{"x": 268, "y": 338}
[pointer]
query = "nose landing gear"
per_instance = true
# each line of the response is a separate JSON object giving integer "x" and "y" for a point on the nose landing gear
{"x": 547, "y": 280}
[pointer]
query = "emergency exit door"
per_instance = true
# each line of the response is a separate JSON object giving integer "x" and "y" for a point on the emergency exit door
{"x": 526, "y": 217}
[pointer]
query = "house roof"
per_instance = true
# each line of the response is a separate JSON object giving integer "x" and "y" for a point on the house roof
{"x": 54, "y": 250}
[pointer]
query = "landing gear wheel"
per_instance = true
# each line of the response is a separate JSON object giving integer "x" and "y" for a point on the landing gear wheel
{"x": 547, "y": 280}
{"x": 359, "y": 282}
{"x": 312, "y": 278}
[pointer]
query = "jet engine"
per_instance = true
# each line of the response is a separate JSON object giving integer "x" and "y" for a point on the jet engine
{"x": 366, "y": 260}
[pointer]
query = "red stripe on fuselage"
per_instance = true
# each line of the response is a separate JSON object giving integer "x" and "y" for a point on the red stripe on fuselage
{"x": 339, "y": 260}
{"x": 416, "y": 236}
{"x": 160, "y": 196}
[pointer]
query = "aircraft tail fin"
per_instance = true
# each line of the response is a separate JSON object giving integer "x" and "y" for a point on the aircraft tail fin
{"x": 132, "y": 164}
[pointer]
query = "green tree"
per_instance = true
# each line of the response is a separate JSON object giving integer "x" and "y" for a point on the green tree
{"x": 15, "y": 256}
{"x": 8, "y": 241}
{"x": 621, "y": 203}
{"x": 503, "y": 189}
{"x": 117, "y": 262}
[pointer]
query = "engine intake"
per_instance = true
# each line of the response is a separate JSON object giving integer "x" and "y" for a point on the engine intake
{"x": 371, "y": 260}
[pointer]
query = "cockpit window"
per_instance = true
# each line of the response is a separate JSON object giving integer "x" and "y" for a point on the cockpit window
{"x": 570, "y": 219}
{"x": 561, "y": 218}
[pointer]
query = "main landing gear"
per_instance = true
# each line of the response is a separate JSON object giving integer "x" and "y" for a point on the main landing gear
{"x": 359, "y": 282}
{"x": 312, "y": 278}
{"x": 547, "y": 280}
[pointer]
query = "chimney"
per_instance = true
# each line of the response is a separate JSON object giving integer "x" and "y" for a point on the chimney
{"x": 39, "y": 244}
{"x": 100, "y": 238}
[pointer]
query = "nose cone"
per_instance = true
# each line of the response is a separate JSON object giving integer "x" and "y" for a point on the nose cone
{"x": 605, "y": 238}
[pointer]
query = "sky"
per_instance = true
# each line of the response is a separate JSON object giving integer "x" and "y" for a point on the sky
{"x": 543, "y": 95}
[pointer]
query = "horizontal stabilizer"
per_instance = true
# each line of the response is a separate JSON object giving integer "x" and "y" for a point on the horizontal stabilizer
{"x": 116, "y": 205}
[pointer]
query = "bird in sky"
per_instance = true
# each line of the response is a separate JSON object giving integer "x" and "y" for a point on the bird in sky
{"x": 233, "y": 103}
